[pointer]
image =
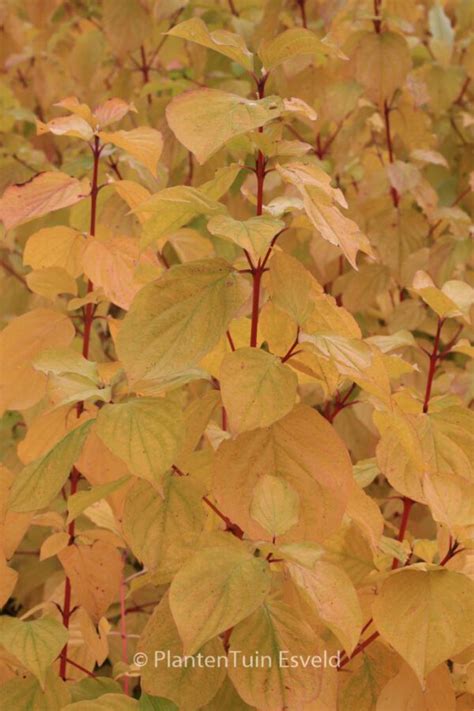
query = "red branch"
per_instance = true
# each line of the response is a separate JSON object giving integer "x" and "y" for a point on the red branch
{"x": 75, "y": 475}
{"x": 386, "y": 114}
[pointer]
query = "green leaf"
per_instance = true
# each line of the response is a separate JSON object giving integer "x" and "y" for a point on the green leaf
{"x": 177, "y": 319}
{"x": 171, "y": 208}
{"x": 146, "y": 433}
{"x": 77, "y": 503}
{"x": 254, "y": 235}
{"x": 257, "y": 388}
{"x": 39, "y": 482}
{"x": 163, "y": 531}
{"x": 217, "y": 588}
{"x": 273, "y": 630}
{"x": 107, "y": 702}
{"x": 92, "y": 687}
{"x": 36, "y": 644}
{"x": 27, "y": 694}
{"x": 155, "y": 703}
{"x": 203, "y": 120}
{"x": 189, "y": 685}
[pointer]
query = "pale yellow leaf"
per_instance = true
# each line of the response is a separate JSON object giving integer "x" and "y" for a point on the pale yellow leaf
{"x": 94, "y": 572}
{"x": 163, "y": 530}
{"x": 146, "y": 433}
{"x": 217, "y": 588}
{"x": 145, "y": 144}
{"x": 190, "y": 686}
{"x": 227, "y": 43}
{"x": 21, "y": 386}
{"x": 426, "y": 615}
{"x": 254, "y": 235}
{"x": 329, "y": 589}
{"x": 55, "y": 247}
{"x": 404, "y": 692}
{"x": 44, "y": 193}
{"x": 275, "y": 630}
{"x": 203, "y": 120}
{"x": 275, "y": 504}
{"x": 257, "y": 388}
{"x": 36, "y": 644}
{"x": 177, "y": 319}
{"x": 304, "y": 450}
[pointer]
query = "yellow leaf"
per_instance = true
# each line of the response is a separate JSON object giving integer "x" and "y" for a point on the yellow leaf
{"x": 304, "y": 450}
{"x": 404, "y": 692}
{"x": 105, "y": 702}
{"x": 143, "y": 143}
{"x": 133, "y": 193}
{"x": 111, "y": 263}
{"x": 274, "y": 631}
{"x": 217, "y": 588}
{"x": 39, "y": 482}
{"x": 222, "y": 41}
{"x": 56, "y": 247}
{"x": 380, "y": 62}
{"x": 329, "y": 589}
{"x": 126, "y": 24}
{"x": 455, "y": 297}
{"x": 94, "y": 572}
{"x": 114, "y": 109}
{"x": 53, "y": 544}
{"x": 427, "y": 616}
{"x": 428, "y": 457}
{"x": 257, "y": 388}
{"x": 291, "y": 286}
{"x": 35, "y": 644}
{"x": 321, "y": 203}
{"x": 66, "y": 126}
{"x": 295, "y": 42}
{"x": 51, "y": 282}
{"x": 190, "y": 686}
{"x": 203, "y": 120}
{"x": 27, "y": 693}
{"x": 275, "y": 505}
{"x": 254, "y": 235}
{"x": 42, "y": 194}
{"x": 171, "y": 208}
{"x": 163, "y": 531}
{"x": 80, "y": 501}
{"x": 13, "y": 526}
{"x": 21, "y": 386}
{"x": 146, "y": 433}
{"x": 74, "y": 106}
{"x": 176, "y": 320}
{"x": 369, "y": 672}
{"x": 8, "y": 580}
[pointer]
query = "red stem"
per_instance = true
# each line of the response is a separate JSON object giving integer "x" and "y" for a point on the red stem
{"x": 407, "y": 506}
{"x": 386, "y": 114}
{"x": 257, "y": 278}
{"x": 83, "y": 669}
{"x": 432, "y": 368}
{"x": 302, "y": 4}
{"x": 88, "y": 320}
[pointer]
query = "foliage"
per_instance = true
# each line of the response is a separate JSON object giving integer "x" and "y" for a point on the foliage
{"x": 236, "y": 373}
